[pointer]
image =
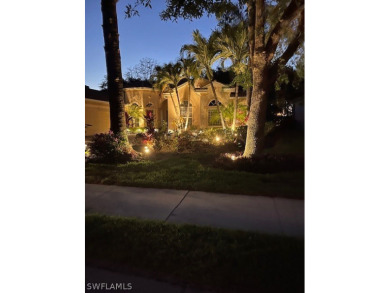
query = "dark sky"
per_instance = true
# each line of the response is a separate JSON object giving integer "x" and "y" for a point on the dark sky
{"x": 143, "y": 36}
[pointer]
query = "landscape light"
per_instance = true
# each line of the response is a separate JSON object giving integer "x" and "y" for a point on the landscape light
{"x": 217, "y": 138}
{"x": 233, "y": 157}
{"x": 147, "y": 150}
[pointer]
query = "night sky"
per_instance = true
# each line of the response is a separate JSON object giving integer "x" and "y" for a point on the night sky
{"x": 143, "y": 36}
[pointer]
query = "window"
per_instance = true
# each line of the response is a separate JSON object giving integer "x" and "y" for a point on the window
{"x": 214, "y": 118}
{"x": 183, "y": 112}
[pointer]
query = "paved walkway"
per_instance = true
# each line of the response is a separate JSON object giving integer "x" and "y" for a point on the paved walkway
{"x": 254, "y": 213}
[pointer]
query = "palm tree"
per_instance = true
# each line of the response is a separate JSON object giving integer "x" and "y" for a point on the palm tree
{"x": 229, "y": 114}
{"x": 233, "y": 43}
{"x": 134, "y": 112}
{"x": 206, "y": 53}
{"x": 190, "y": 73}
{"x": 168, "y": 76}
{"x": 113, "y": 64}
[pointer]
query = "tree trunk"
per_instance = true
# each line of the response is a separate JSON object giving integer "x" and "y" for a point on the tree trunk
{"x": 235, "y": 108}
{"x": 218, "y": 108}
{"x": 256, "y": 122}
{"x": 248, "y": 99}
{"x": 178, "y": 103}
{"x": 251, "y": 43}
{"x": 113, "y": 64}
{"x": 188, "y": 106}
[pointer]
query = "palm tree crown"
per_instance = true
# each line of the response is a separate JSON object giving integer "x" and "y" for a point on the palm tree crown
{"x": 206, "y": 53}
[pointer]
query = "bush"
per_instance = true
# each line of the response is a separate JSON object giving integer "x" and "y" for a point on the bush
{"x": 110, "y": 148}
{"x": 164, "y": 143}
{"x": 266, "y": 163}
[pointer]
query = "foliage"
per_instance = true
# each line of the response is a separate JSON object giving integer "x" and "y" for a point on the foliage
{"x": 149, "y": 118}
{"x": 144, "y": 70}
{"x": 233, "y": 43}
{"x": 242, "y": 132}
{"x": 103, "y": 84}
{"x": 133, "y": 112}
{"x": 110, "y": 148}
{"x": 225, "y": 260}
{"x": 189, "y": 143}
{"x": 228, "y": 114}
{"x": 265, "y": 163}
{"x": 164, "y": 142}
{"x": 167, "y": 77}
{"x": 206, "y": 53}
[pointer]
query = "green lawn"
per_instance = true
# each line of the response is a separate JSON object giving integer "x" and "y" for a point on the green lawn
{"x": 219, "y": 259}
{"x": 195, "y": 172}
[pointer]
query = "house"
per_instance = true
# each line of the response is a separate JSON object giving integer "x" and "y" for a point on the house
{"x": 164, "y": 106}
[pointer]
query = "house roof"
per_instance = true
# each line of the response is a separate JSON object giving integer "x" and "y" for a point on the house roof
{"x": 95, "y": 94}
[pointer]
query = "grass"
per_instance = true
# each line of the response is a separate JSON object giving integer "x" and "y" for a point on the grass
{"x": 195, "y": 172}
{"x": 210, "y": 258}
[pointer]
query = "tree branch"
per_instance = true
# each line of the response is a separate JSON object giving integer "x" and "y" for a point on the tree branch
{"x": 290, "y": 51}
{"x": 294, "y": 44}
{"x": 292, "y": 11}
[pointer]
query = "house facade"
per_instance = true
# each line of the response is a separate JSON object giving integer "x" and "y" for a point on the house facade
{"x": 165, "y": 106}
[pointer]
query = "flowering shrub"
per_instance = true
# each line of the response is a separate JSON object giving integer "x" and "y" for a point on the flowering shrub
{"x": 110, "y": 148}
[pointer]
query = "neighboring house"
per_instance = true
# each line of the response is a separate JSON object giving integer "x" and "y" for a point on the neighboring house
{"x": 97, "y": 112}
{"x": 164, "y": 106}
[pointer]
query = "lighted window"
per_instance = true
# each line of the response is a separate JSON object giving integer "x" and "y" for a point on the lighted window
{"x": 183, "y": 112}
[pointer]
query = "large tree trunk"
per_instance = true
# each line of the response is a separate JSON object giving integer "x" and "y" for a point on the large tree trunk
{"x": 218, "y": 108}
{"x": 248, "y": 99}
{"x": 256, "y": 122}
{"x": 235, "y": 108}
{"x": 251, "y": 43}
{"x": 113, "y": 63}
{"x": 188, "y": 106}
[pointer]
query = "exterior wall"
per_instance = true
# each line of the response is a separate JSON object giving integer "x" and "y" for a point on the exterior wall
{"x": 97, "y": 114}
{"x": 200, "y": 100}
{"x": 142, "y": 97}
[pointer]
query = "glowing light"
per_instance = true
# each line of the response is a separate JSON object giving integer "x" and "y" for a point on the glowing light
{"x": 233, "y": 157}
{"x": 147, "y": 151}
{"x": 217, "y": 138}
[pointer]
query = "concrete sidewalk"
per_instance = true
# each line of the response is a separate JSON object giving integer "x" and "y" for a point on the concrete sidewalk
{"x": 232, "y": 211}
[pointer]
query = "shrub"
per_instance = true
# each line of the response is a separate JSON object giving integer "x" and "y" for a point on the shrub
{"x": 110, "y": 148}
{"x": 266, "y": 163}
{"x": 164, "y": 143}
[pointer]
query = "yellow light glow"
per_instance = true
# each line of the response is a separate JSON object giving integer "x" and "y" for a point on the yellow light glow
{"x": 233, "y": 157}
{"x": 147, "y": 151}
{"x": 217, "y": 138}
